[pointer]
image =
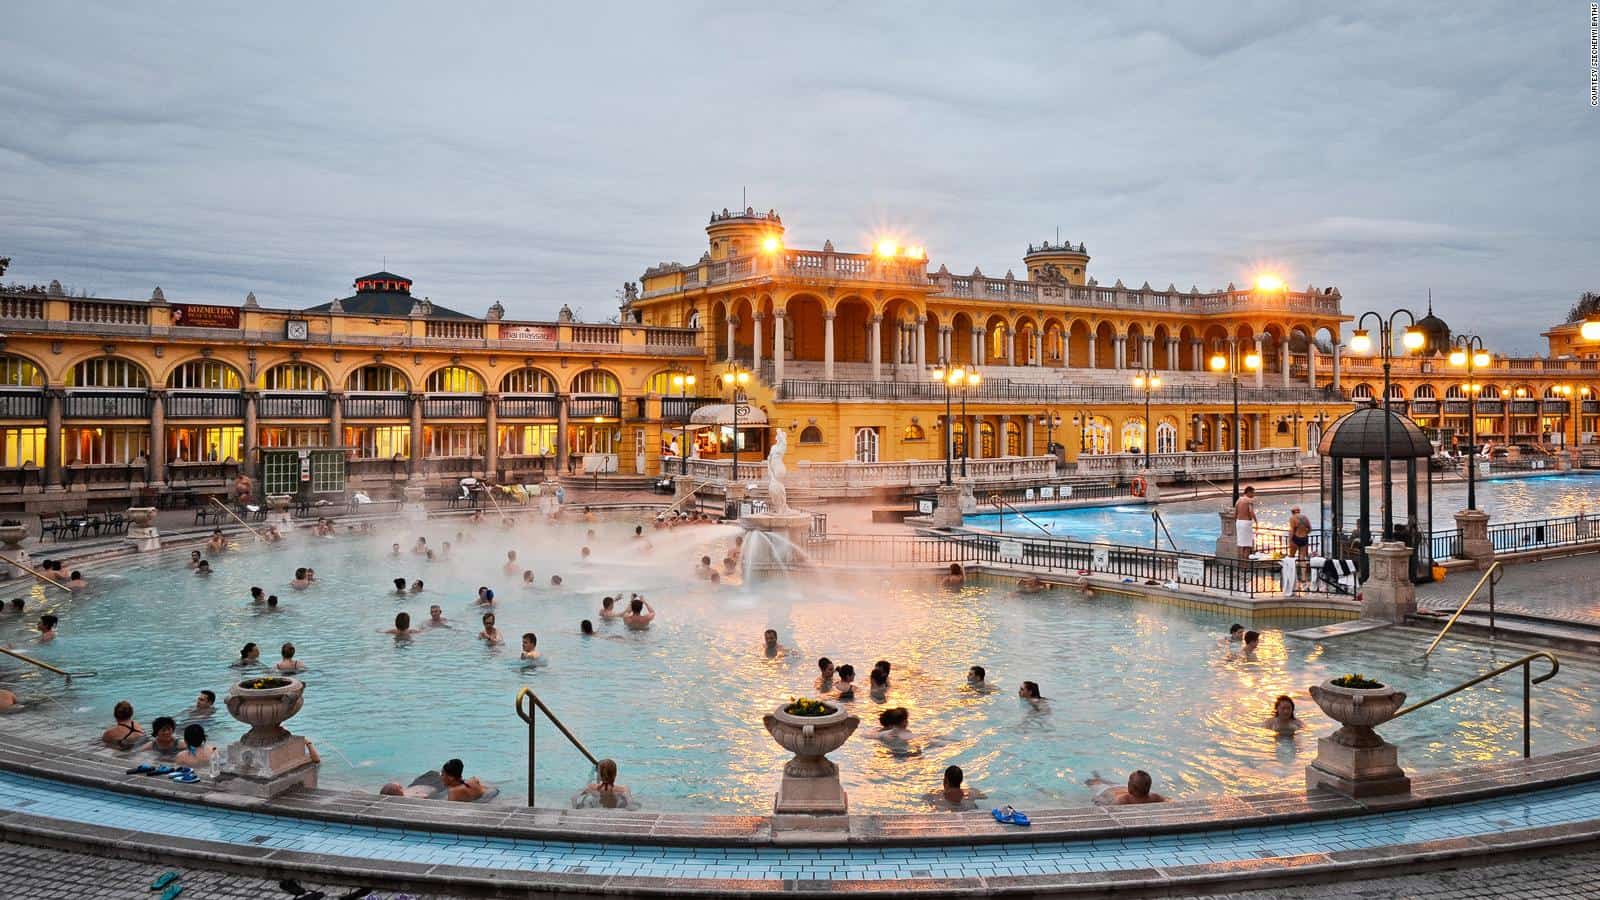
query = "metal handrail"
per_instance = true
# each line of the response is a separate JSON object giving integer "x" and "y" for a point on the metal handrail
{"x": 1491, "y": 577}
{"x": 1527, "y": 684}
{"x": 1003, "y": 503}
{"x": 535, "y": 704}
{"x": 1155, "y": 515}
{"x": 44, "y": 665}
{"x": 694, "y": 494}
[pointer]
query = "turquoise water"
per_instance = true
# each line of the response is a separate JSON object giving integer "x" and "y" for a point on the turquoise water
{"x": 1194, "y": 524}
{"x": 679, "y": 707}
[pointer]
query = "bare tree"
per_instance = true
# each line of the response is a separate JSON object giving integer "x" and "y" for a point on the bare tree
{"x": 1587, "y": 307}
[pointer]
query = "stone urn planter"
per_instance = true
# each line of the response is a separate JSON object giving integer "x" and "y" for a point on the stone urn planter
{"x": 265, "y": 704}
{"x": 279, "y": 502}
{"x": 140, "y": 516}
{"x": 810, "y": 729}
{"x": 1355, "y": 760}
{"x": 12, "y": 534}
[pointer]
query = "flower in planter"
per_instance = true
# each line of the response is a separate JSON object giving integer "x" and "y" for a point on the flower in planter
{"x": 1356, "y": 682}
{"x": 263, "y": 684}
{"x": 799, "y": 706}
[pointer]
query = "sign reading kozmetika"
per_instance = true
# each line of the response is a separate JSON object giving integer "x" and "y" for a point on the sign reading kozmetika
{"x": 195, "y": 315}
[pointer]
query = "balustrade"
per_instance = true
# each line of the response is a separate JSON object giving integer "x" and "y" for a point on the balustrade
{"x": 21, "y": 307}
{"x": 183, "y": 404}
{"x": 292, "y": 405}
{"x": 376, "y": 406}
{"x": 511, "y": 406}
{"x": 89, "y": 403}
{"x": 454, "y": 329}
{"x": 591, "y": 407}
{"x": 102, "y": 312}
{"x": 23, "y": 404}
{"x": 453, "y": 407}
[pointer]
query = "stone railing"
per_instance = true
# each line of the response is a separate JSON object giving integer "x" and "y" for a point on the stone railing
{"x": 805, "y": 265}
{"x": 845, "y": 478}
{"x": 1005, "y": 391}
{"x": 1254, "y": 462}
{"x": 455, "y": 330}
{"x": 108, "y": 313}
{"x": 1013, "y": 290}
{"x": 1412, "y": 366}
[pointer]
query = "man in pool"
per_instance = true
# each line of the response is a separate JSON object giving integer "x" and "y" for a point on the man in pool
{"x": 490, "y": 634}
{"x": 1252, "y": 641}
{"x": 1138, "y": 790}
{"x": 416, "y": 586}
{"x": 194, "y": 559}
{"x": 639, "y": 615}
{"x": 204, "y": 705}
{"x": 420, "y": 547}
{"x": 76, "y": 581}
{"x": 608, "y": 608}
{"x": 394, "y": 550}
{"x": 217, "y": 543}
{"x": 204, "y": 568}
{"x": 952, "y": 796}
{"x": 769, "y": 644}
{"x": 1235, "y": 633}
{"x": 510, "y": 567}
{"x": 272, "y": 603}
{"x": 47, "y": 629}
{"x": 402, "y": 629}
{"x": 400, "y": 586}
{"x": 530, "y": 649}
{"x": 436, "y": 617}
{"x": 126, "y": 733}
{"x": 459, "y": 789}
{"x": 1244, "y": 521}
{"x": 302, "y": 579}
{"x": 257, "y": 595}
{"x": 977, "y": 679}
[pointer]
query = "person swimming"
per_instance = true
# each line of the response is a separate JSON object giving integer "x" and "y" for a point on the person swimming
{"x": 125, "y": 733}
{"x": 490, "y": 634}
{"x": 204, "y": 568}
{"x": 257, "y": 595}
{"x": 878, "y": 684}
{"x": 457, "y": 788}
{"x": 400, "y": 586}
{"x": 249, "y": 656}
{"x": 194, "y": 559}
{"x": 76, "y": 581}
{"x": 217, "y": 542}
{"x": 608, "y": 608}
{"x": 1138, "y": 790}
{"x": 402, "y": 629}
{"x": 555, "y": 581}
{"x": 272, "y": 603}
{"x": 164, "y": 736}
{"x": 894, "y": 728}
{"x": 825, "y": 675}
{"x": 955, "y": 577}
{"x": 510, "y": 566}
{"x": 204, "y": 705}
{"x": 1283, "y": 720}
{"x": 436, "y": 617}
{"x": 639, "y": 615}
{"x": 769, "y": 644}
{"x": 301, "y": 580}
{"x": 977, "y": 680}
{"x": 416, "y": 586}
{"x": 1031, "y": 584}
{"x": 1029, "y": 692}
{"x": 289, "y": 664}
{"x": 196, "y": 752}
{"x": 586, "y": 628}
{"x": 485, "y": 597}
{"x": 1252, "y": 642}
{"x": 530, "y": 649}
{"x": 844, "y": 685}
{"x": 527, "y": 579}
{"x": 952, "y": 796}
{"x": 47, "y": 629}
{"x": 604, "y": 792}
{"x": 394, "y": 550}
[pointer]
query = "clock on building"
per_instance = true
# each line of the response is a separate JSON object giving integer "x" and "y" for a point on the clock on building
{"x": 296, "y": 329}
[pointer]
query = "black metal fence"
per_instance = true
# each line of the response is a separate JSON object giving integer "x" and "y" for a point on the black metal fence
{"x": 1538, "y": 534}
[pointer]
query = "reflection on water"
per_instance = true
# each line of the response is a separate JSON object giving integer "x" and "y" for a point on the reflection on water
{"x": 1194, "y": 524}
{"x": 1129, "y": 684}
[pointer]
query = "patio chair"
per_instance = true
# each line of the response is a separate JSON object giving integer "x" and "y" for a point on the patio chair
{"x": 49, "y": 527}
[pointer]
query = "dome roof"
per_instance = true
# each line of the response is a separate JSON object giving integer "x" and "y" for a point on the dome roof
{"x": 1435, "y": 333}
{"x": 1359, "y": 435}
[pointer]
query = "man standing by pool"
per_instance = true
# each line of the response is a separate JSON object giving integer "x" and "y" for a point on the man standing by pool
{"x": 1300, "y": 534}
{"x": 1244, "y": 521}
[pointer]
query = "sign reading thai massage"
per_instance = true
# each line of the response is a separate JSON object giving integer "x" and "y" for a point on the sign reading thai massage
{"x": 528, "y": 333}
{"x": 196, "y": 315}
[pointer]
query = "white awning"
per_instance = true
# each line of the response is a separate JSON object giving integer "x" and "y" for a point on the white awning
{"x": 722, "y": 414}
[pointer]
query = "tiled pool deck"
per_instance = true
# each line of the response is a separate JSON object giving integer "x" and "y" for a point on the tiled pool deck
{"x": 86, "y": 801}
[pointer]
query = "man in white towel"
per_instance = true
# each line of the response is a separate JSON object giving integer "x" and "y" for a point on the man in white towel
{"x": 1244, "y": 521}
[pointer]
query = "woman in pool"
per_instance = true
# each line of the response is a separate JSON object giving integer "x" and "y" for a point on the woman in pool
{"x": 844, "y": 685}
{"x": 878, "y": 684}
{"x": 1029, "y": 692}
{"x": 639, "y": 615}
{"x": 301, "y": 579}
{"x": 195, "y": 752}
{"x": 955, "y": 577}
{"x": 289, "y": 665}
{"x": 527, "y": 579}
{"x": 604, "y": 792}
{"x": 402, "y": 629}
{"x": 490, "y": 634}
{"x": 249, "y": 656}
{"x": 894, "y": 729}
{"x": 1283, "y": 720}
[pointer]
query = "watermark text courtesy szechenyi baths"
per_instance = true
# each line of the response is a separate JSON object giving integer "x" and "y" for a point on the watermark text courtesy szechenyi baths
{"x": 1594, "y": 54}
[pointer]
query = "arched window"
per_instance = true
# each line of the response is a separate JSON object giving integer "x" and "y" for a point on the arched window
{"x": 985, "y": 441}
{"x": 528, "y": 381}
{"x": 454, "y": 380}
{"x": 694, "y": 320}
{"x": 1133, "y": 436}
{"x": 867, "y": 445}
{"x": 1097, "y": 435}
{"x": 670, "y": 383}
{"x": 1489, "y": 392}
{"x": 596, "y": 381}
{"x": 205, "y": 374}
{"x": 377, "y": 378}
{"x": 18, "y": 372}
{"x": 913, "y": 432}
{"x": 1167, "y": 436}
{"x": 1550, "y": 393}
{"x": 1013, "y": 439}
{"x": 1397, "y": 393}
{"x": 1361, "y": 392}
{"x": 811, "y": 434}
{"x": 1456, "y": 392}
{"x": 107, "y": 372}
{"x": 293, "y": 376}
{"x": 1424, "y": 392}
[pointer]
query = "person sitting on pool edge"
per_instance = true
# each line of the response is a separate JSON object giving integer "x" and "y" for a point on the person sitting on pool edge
{"x": 604, "y": 792}
{"x": 196, "y": 752}
{"x": 1138, "y": 790}
{"x": 952, "y": 796}
{"x": 956, "y": 577}
{"x": 1283, "y": 720}
{"x": 457, "y": 788}
{"x": 164, "y": 736}
{"x": 126, "y": 733}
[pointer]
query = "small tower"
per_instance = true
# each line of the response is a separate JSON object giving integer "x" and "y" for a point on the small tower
{"x": 1047, "y": 260}
{"x": 742, "y": 233}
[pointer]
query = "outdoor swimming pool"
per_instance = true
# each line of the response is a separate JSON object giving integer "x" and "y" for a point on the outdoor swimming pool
{"x": 1194, "y": 524}
{"x": 1131, "y": 684}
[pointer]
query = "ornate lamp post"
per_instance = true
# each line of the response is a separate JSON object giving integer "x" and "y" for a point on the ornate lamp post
{"x": 735, "y": 378}
{"x": 1147, "y": 380}
{"x": 1361, "y": 342}
{"x": 1052, "y": 421}
{"x": 683, "y": 383}
{"x": 1468, "y": 353}
{"x": 1233, "y": 362}
{"x": 942, "y": 373}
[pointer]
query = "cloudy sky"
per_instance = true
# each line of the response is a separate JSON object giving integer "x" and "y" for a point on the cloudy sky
{"x": 542, "y": 155}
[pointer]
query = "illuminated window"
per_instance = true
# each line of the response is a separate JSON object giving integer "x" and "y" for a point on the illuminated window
{"x": 1361, "y": 392}
{"x": 18, "y": 372}
{"x": 22, "y": 446}
{"x": 377, "y": 378}
{"x": 454, "y": 380}
{"x": 204, "y": 374}
{"x": 216, "y": 443}
{"x": 107, "y": 372}
{"x": 528, "y": 381}
{"x": 293, "y": 436}
{"x": 527, "y": 440}
{"x": 453, "y": 441}
{"x": 294, "y": 376}
{"x": 1424, "y": 392}
{"x": 379, "y": 441}
{"x": 599, "y": 437}
{"x": 596, "y": 381}
{"x": 1133, "y": 436}
{"x": 811, "y": 434}
{"x": 98, "y": 446}
{"x": 914, "y": 432}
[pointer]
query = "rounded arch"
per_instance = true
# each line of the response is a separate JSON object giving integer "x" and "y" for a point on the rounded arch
{"x": 1105, "y": 345}
{"x": 377, "y": 377}
{"x": 19, "y": 371}
{"x": 803, "y": 335}
{"x": 961, "y": 339}
{"x": 897, "y": 333}
{"x": 1022, "y": 335}
{"x": 204, "y": 373}
{"x": 1054, "y": 342}
{"x": 1161, "y": 351}
{"x": 1489, "y": 392}
{"x": 1456, "y": 392}
{"x": 1424, "y": 392}
{"x": 292, "y": 375}
{"x": 932, "y": 338}
{"x": 596, "y": 381}
{"x": 1363, "y": 391}
{"x": 852, "y": 329}
{"x": 1272, "y": 343}
{"x": 1187, "y": 337}
{"x": 105, "y": 371}
{"x": 454, "y": 379}
{"x": 1166, "y": 435}
{"x": 528, "y": 380}
{"x": 1078, "y": 334}
{"x": 811, "y": 434}
{"x": 1133, "y": 434}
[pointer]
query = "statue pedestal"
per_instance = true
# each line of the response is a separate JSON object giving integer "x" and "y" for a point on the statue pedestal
{"x": 682, "y": 486}
{"x": 1473, "y": 526}
{"x": 145, "y": 539}
{"x": 795, "y": 526}
{"x": 1357, "y": 771}
{"x": 947, "y": 514}
{"x": 969, "y": 503}
{"x": 266, "y": 772}
{"x": 1228, "y": 541}
{"x": 1388, "y": 594}
{"x": 413, "y": 507}
{"x": 19, "y": 555}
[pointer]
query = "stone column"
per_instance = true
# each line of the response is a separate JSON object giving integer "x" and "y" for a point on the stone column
{"x": 1283, "y": 361}
{"x": 1311, "y": 364}
{"x": 1228, "y": 539}
{"x": 1002, "y": 442}
{"x": 977, "y": 346}
{"x": 1092, "y": 363}
{"x": 1336, "y": 385}
{"x": 920, "y": 352}
{"x": 1197, "y": 351}
{"x": 733, "y": 331}
{"x": 1027, "y": 435}
{"x": 1255, "y": 431}
{"x": 1038, "y": 349}
{"x": 1172, "y": 354}
{"x": 947, "y": 514}
{"x": 252, "y": 440}
{"x": 336, "y": 418}
{"x": 491, "y": 427}
{"x": 755, "y": 346}
{"x": 875, "y": 352}
{"x": 1473, "y": 526}
{"x": 827, "y": 345}
{"x": 1388, "y": 594}
{"x": 1261, "y": 371}
{"x": 414, "y": 464}
{"x": 158, "y": 436}
{"x": 1149, "y": 360}
{"x": 1011, "y": 347}
{"x": 53, "y": 400}
{"x": 778, "y": 317}
{"x": 561, "y": 431}
{"x": 1119, "y": 352}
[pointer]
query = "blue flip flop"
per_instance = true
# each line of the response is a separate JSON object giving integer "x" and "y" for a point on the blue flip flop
{"x": 141, "y": 769}
{"x": 1009, "y": 816}
{"x": 164, "y": 879}
{"x": 184, "y": 777}
{"x": 160, "y": 770}
{"x": 172, "y": 891}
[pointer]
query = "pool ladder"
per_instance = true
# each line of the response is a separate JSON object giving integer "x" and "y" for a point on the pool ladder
{"x": 1528, "y": 682}
{"x": 1491, "y": 577}
{"x": 1003, "y": 504}
{"x": 527, "y": 712}
{"x": 46, "y": 666}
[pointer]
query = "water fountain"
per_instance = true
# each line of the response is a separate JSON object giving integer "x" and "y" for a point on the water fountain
{"x": 774, "y": 537}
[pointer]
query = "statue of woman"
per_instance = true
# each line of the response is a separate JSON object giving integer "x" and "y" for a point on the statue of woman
{"x": 777, "y": 494}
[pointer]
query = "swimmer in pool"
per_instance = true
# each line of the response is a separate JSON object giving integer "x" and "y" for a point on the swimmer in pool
{"x": 194, "y": 559}
{"x": 204, "y": 705}
{"x": 400, "y": 586}
{"x": 490, "y": 634}
{"x": 416, "y": 586}
{"x": 217, "y": 543}
{"x": 704, "y": 570}
{"x": 1252, "y": 642}
{"x": 1029, "y": 692}
{"x": 420, "y": 547}
{"x": 394, "y": 550}
{"x": 1138, "y": 790}
{"x": 203, "y": 569}
{"x": 289, "y": 665}
{"x": 195, "y": 752}
{"x": 878, "y": 685}
{"x": 301, "y": 580}
{"x": 530, "y": 649}
{"x": 825, "y": 673}
{"x": 1031, "y": 585}
{"x": 586, "y": 628}
{"x": 555, "y": 581}
{"x": 955, "y": 577}
{"x": 583, "y": 555}
{"x": 510, "y": 567}
{"x": 639, "y": 615}
{"x": 769, "y": 644}
{"x": 126, "y": 732}
{"x": 436, "y": 617}
{"x": 249, "y": 656}
{"x": 608, "y": 608}
{"x": 977, "y": 680}
{"x": 485, "y": 597}
{"x": 883, "y": 665}
{"x": 457, "y": 788}
{"x": 952, "y": 796}
{"x": 257, "y": 595}
{"x": 47, "y": 629}
{"x": 527, "y": 580}
{"x": 1283, "y": 720}
{"x": 402, "y": 629}
{"x": 844, "y": 685}
{"x": 164, "y": 736}
{"x": 272, "y": 603}
{"x": 76, "y": 581}
{"x": 894, "y": 728}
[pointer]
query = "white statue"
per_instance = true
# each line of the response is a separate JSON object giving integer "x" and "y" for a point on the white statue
{"x": 777, "y": 494}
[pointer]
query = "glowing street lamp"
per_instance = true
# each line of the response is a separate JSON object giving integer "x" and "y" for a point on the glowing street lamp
{"x": 962, "y": 378}
{"x": 735, "y": 378}
{"x": 684, "y": 382}
{"x": 1361, "y": 342}
{"x": 1147, "y": 381}
{"x": 1232, "y": 362}
{"x": 1469, "y": 354}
